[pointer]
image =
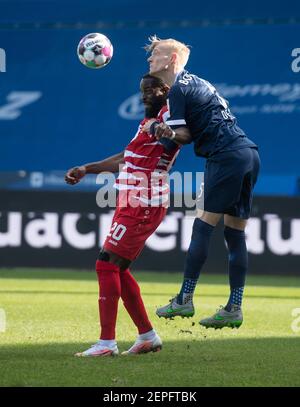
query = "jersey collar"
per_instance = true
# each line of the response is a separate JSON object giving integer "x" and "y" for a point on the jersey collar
{"x": 179, "y": 74}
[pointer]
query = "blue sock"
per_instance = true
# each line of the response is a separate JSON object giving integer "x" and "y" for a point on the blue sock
{"x": 195, "y": 258}
{"x": 235, "y": 298}
{"x": 238, "y": 265}
{"x": 187, "y": 291}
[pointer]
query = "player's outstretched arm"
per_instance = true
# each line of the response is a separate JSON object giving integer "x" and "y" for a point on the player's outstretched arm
{"x": 110, "y": 164}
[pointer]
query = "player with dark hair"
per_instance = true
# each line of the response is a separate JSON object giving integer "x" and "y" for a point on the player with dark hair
{"x": 198, "y": 114}
{"x": 141, "y": 207}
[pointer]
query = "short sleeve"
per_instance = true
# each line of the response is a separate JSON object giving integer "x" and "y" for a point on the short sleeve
{"x": 176, "y": 106}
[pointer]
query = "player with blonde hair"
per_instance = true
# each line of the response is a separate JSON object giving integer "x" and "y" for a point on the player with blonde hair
{"x": 199, "y": 114}
{"x": 180, "y": 49}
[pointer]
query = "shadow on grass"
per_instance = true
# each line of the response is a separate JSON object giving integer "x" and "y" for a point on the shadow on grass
{"x": 145, "y": 276}
{"x": 152, "y": 294}
{"x": 204, "y": 361}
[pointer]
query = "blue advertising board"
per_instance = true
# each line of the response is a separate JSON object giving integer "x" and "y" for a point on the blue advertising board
{"x": 56, "y": 113}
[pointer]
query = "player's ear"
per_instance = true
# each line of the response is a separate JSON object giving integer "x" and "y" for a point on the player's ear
{"x": 174, "y": 57}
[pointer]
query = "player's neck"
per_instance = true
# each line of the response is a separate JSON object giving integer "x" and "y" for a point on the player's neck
{"x": 151, "y": 112}
{"x": 168, "y": 77}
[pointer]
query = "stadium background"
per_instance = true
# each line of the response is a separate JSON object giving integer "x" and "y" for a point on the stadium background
{"x": 55, "y": 113}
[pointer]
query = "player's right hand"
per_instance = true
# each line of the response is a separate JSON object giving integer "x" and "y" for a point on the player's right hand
{"x": 147, "y": 125}
{"x": 74, "y": 175}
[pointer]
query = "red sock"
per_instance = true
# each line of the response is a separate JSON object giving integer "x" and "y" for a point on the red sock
{"x": 131, "y": 296}
{"x": 109, "y": 294}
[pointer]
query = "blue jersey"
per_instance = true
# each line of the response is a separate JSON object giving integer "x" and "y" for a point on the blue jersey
{"x": 195, "y": 103}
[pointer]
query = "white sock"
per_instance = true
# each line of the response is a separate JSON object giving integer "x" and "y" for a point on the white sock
{"x": 147, "y": 336}
{"x": 108, "y": 343}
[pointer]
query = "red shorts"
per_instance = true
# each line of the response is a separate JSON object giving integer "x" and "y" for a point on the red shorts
{"x": 130, "y": 229}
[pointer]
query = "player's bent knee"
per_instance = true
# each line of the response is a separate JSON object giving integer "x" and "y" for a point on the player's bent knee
{"x": 113, "y": 258}
{"x": 235, "y": 223}
{"x": 103, "y": 256}
{"x": 209, "y": 217}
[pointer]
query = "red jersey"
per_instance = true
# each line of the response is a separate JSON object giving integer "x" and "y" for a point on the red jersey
{"x": 145, "y": 173}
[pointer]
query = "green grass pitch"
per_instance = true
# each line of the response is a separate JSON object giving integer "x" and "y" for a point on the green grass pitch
{"x": 51, "y": 314}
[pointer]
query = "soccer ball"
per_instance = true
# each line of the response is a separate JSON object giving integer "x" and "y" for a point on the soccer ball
{"x": 95, "y": 50}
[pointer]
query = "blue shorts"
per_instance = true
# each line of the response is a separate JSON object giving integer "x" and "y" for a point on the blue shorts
{"x": 229, "y": 179}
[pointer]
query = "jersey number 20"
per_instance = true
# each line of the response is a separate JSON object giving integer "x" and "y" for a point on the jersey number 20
{"x": 117, "y": 231}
